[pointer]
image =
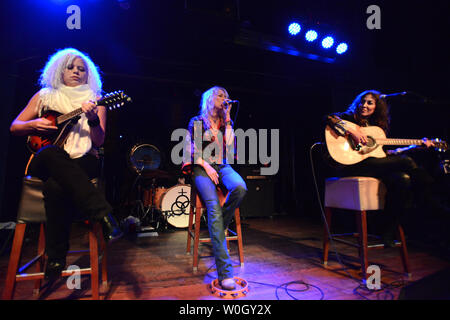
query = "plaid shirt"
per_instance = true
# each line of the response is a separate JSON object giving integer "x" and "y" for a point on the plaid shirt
{"x": 198, "y": 144}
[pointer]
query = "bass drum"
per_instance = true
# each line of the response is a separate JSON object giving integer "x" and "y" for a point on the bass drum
{"x": 175, "y": 205}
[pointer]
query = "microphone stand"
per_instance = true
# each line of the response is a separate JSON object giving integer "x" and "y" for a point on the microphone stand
{"x": 236, "y": 114}
{"x": 424, "y": 100}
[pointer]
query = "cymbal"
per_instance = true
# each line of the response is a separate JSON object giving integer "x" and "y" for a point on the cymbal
{"x": 156, "y": 174}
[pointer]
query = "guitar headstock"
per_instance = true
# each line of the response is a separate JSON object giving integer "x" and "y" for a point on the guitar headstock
{"x": 440, "y": 145}
{"x": 114, "y": 100}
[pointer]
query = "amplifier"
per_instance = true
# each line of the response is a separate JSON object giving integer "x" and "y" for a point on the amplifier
{"x": 259, "y": 200}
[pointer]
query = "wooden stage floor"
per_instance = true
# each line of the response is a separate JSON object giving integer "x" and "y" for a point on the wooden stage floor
{"x": 281, "y": 253}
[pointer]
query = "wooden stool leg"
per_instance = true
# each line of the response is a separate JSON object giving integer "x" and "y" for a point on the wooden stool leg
{"x": 104, "y": 250}
{"x": 361, "y": 218}
{"x": 404, "y": 251}
{"x": 198, "y": 215}
{"x": 326, "y": 237}
{"x": 14, "y": 260}
{"x": 191, "y": 220}
{"x": 93, "y": 248}
{"x": 228, "y": 241}
{"x": 40, "y": 262}
{"x": 237, "y": 217}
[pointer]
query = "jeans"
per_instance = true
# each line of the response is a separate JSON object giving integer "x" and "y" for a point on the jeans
{"x": 219, "y": 217}
{"x": 67, "y": 186}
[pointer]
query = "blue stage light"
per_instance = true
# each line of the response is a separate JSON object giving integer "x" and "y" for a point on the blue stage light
{"x": 294, "y": 28}
{"x": 311, "y": 35}
{"x": 341, "y": 48}
{"x": 327, "y": 42}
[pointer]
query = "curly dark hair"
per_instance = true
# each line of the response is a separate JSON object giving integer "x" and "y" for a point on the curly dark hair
{"x": 380, "y": 117}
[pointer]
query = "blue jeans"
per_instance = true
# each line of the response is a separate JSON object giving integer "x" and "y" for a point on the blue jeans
{"x": 219, "y": 217}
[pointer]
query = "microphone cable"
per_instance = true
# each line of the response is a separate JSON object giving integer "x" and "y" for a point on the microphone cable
{"x": 323, "y": 213}
{"x": 361, "y": 285}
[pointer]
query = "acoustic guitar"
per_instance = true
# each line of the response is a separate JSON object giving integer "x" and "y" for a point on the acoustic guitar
{"x": 345, "y": 151}
{"x": 65, "y": 122}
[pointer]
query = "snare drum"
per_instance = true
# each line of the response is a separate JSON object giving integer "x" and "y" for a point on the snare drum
{"x": 175, "y": 205}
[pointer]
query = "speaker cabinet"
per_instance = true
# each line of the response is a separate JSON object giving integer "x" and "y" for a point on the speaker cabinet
{"x": 433, "y": 287}
{"x": 259, "y": 200}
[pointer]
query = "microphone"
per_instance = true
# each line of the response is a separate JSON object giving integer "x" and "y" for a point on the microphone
{"x": 231, "y": 101}
{"x": 383, "y": 96}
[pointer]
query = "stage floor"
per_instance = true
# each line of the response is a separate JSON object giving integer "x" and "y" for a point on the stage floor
{"x": 280, "y": 254}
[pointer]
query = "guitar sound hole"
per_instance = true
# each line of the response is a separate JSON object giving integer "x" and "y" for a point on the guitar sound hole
{"x": 371, "y": 142}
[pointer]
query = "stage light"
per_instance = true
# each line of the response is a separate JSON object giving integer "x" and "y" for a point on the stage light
{"x": 311, "y": 35}
{"x": 341, "y": 48}
{"x": 327, "y": 42}
{"x": 294, "y": 28}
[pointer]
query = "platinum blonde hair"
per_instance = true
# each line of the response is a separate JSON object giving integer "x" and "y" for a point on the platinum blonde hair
{"x": 52, "y": 74}
{"x": 207, "y": 103}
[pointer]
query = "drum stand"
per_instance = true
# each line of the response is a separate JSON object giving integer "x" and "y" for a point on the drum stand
{"x": 141, "y": 211}
{"x": 152, "y": 207}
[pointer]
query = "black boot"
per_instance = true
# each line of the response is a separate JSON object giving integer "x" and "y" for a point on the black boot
{"x": 54, "y": 269}
{"x": 111, "y": 229}
{"x": 388, "y": 239}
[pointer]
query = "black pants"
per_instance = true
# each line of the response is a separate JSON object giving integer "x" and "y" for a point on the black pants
{"x": 67, "y": 186}
{"x": 404, "y": 180}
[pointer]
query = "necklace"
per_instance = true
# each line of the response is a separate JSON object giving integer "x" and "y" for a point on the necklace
{"x": 216, "y": 122}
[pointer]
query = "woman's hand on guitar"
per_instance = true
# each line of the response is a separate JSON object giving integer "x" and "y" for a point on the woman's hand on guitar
{"x": 427, "y": 143}
{"x": 358, "y": 136}
{"x": 90, "y": 110}
{"x": 42, "y": 125}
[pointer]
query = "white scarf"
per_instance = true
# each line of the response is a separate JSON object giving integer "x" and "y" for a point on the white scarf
{"x": 65, "y": 100}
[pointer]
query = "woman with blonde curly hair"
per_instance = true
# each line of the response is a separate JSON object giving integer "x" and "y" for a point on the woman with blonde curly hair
{"x": 69, "y": 80}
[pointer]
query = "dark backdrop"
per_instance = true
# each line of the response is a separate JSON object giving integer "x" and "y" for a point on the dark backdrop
{"x": 165, "y": 54}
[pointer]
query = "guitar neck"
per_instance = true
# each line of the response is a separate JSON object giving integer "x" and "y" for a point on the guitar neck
{"x": 65, "y": 117}
{"x": 399, "y": 142}
{"x": 75, "y": 113}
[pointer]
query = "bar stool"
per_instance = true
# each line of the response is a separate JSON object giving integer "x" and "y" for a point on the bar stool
{"x": 197, "y": 206}
{"x": 359, "y": 194}
{"x": 31, "y": 210}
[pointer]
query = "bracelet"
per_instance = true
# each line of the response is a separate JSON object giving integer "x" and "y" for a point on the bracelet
{"x": 94, "y": 123}
{"x": 228, "y": 122}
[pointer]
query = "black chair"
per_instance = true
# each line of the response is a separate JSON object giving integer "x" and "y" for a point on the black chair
{"x": 31, "y": 211}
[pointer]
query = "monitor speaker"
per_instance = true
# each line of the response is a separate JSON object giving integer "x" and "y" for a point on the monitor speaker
{"x": 433, "y": 287}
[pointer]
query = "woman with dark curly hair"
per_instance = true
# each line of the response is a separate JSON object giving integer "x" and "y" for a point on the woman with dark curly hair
{"x": 397, "y": 171}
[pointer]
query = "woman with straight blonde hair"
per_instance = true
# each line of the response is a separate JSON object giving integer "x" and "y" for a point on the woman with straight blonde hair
{"x": 210, "y": 168}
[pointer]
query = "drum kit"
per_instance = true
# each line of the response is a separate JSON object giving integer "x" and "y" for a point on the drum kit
{"x": 158, "y": 206}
